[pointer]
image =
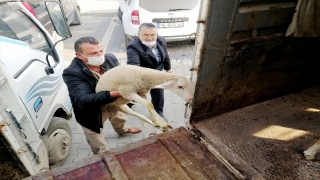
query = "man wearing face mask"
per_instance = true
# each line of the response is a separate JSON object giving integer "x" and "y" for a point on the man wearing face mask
{"x": 150, "y": 51}
{"x": 81, "y": 78}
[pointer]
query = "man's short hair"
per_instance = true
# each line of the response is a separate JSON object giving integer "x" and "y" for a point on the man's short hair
{"x": 146, "y": 25}
{"x": 87, "y": 39}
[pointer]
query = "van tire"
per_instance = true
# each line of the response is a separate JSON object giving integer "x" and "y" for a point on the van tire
{"x": 59, "y": 140}
{"x": 77, "y": 18}
{"x": 120, "y": 13}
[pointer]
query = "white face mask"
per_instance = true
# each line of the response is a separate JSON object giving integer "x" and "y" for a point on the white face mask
{"x": 149, "y": 44}
{"x": 95, "y": 61}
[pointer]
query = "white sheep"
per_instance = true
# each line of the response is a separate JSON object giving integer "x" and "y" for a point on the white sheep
{"x": 311, "y": 152}
{"x": 134, "y": 82}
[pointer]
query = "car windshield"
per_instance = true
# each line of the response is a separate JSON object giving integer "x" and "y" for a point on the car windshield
{"x": 168, "y": 5}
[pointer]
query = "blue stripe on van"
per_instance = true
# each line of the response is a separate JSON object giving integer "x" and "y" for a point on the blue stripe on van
{"x": 13, "y": 41}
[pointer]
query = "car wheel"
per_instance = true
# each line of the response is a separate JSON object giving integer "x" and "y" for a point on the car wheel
{"x": 77, "y": 18}
{"x": 120, "y": 13}
{"x": 59, "y": 141}
{"x": 128, "y": 40}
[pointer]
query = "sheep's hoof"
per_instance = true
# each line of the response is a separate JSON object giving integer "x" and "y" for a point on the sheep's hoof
{"x": 309, "y": 155}
{"x": 166, "y": 128}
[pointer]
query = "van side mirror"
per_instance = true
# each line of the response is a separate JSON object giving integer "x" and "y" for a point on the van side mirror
{"x": 59, "y": 23}
{"x": 58, "y": 19}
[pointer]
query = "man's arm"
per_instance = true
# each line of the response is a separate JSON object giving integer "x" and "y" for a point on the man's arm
{"x": 81, "y": 92}
{"x": 133, "y": 57}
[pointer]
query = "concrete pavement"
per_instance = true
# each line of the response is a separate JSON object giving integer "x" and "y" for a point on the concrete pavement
{"x": 107, "y": 28}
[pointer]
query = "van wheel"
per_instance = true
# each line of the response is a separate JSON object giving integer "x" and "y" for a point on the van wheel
{"x": 77, "y": 18}
{"x": 127, "y": 39}
{"x": 59, "y": 141}
{"x": 120, "y": 13}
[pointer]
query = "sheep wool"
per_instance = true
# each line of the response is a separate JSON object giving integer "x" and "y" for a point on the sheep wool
{"x": 129, "y": 78}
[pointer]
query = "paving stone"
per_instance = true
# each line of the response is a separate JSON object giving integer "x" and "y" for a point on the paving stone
{"x": 112, "y": 142}
{"x": 78, "y": 130}
{"x": 77, "y": 138}
{"x": 84, "y": 146}
{"x": 123, "y": 140}
{"x": 70, "y": 159}
{"x": 133, "y": 139}
{"x": 112, "y": 134}
{"x": 73, "y": 149}
{"x": 82, "y": 154}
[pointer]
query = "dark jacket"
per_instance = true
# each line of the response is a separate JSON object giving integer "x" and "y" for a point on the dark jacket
{"x": 140, "y": 55}
{"x": 81, "y": 85}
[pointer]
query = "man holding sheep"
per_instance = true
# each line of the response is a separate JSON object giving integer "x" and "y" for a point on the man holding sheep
{"x": 81, "y": 78}
{"x": 150, "y": 51}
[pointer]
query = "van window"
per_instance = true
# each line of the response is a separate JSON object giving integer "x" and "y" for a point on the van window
{"x": 168, "y": 5}
{"x": 17, "y": 25}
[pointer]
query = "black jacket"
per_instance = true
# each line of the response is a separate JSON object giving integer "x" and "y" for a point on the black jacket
{"x": 81, "y": 85}
{"x": 140, "y": 55}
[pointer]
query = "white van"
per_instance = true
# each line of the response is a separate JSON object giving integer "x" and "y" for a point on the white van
{"x": 34, "y": 101}
{"x": 176, "y": 20}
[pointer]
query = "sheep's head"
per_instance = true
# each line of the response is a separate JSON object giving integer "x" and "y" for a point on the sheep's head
{"x": 180, "y": 86}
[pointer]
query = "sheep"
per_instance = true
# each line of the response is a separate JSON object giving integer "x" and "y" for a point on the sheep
{"x": 311, "y": 152}
{"x": 134, "y": 82}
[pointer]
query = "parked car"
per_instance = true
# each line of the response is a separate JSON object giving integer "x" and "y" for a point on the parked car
{"x": 71, "y": 10}
{"x": 175, "y": 20}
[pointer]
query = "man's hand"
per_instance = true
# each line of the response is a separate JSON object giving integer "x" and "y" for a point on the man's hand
{"x": 115, "y": 94}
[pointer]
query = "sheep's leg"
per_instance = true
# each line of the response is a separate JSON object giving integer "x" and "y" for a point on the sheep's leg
{"x": 158, "y": 121}
{"x": 312, "y": 151}
{"x": 127, "y": 110}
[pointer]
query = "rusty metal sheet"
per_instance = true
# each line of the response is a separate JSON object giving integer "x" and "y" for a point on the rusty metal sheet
{"x": 175, "y": 154}
{"x": 240, "y": 65}
{"x": 97, "y": 170}
{"x": 74, "y": 171}
{"x": 253, "y": 15}
{"x": 218, "y": 27}
{"x": 203, "y": 161}
{"x": 114, "y": 167}
{"x": 151, "y": 162}
{"x": 192, "y": 169}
